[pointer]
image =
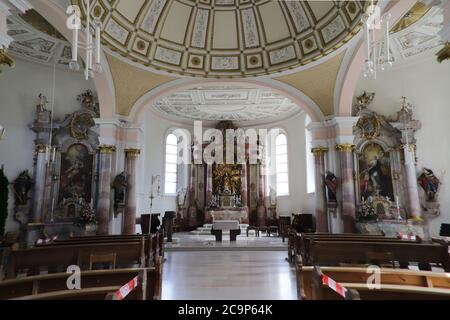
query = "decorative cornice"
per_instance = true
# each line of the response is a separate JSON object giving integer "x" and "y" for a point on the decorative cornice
{"x": 345, "y": 147}
{"x": 319, "y": 151}
{"x": 107, "y": 149}
{"x": 132, "y": 153}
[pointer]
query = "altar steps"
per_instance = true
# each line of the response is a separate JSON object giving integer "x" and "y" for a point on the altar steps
{"x": 206, "y": 229}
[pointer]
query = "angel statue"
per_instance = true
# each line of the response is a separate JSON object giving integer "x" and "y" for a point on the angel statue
{"x": 331, "y": 184}
{"x": 430, "y": 184}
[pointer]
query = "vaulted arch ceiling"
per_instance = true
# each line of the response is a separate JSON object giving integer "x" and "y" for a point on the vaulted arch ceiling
{"x": 225, "y": 38}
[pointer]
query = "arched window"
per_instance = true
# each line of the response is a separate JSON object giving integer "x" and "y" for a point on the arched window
{"x": 170, "y": 177}
{"x": 282, "y": 172}
{"x": 310, "y": 176}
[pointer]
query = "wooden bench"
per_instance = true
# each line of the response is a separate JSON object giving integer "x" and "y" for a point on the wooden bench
{"x": 94, "y": 285}
{"x": 299, "y": 244}
{"x": 59, "y": 257}
{"x": 394, "y": 283}
{"x": 332, "y": 253}
{"x": 303, "y": 241}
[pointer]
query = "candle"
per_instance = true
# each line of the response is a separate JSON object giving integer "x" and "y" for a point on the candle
{"x": 75, "y": 44}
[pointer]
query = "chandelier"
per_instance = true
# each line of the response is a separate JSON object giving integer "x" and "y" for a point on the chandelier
{"x": 92, "y": 47}
{"x": 378, "y": 53}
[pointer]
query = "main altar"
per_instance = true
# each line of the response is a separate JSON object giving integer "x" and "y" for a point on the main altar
{"x": 229, "y": 191}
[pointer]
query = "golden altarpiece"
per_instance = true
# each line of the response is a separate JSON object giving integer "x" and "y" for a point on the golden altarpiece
{"x": 228, "y": 190}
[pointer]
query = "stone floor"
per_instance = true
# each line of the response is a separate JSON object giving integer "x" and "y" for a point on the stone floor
{"x": 186, "y": 241}
{"x": 228, "y": 275}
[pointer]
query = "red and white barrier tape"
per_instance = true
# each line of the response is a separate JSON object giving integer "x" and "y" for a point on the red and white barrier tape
{"x": 336, "y": 287}
{"x": 407, "y": 237}
{"x": 123, "y": 292}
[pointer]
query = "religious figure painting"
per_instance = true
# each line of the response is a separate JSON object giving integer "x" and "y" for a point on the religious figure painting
{"x": 76, "y": 174}
{"x": 375, "y": 177}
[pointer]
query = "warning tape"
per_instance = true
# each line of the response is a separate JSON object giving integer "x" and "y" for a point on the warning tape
{"x": 123, "y": 292}
{"x": 336, "y": 287}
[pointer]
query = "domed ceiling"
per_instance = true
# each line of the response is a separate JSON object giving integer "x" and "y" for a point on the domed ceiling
{"x": 218, "y": 103}
{"x": 226, "y": 38}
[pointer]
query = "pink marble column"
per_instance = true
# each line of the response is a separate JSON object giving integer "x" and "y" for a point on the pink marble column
{"x": 320, "y": 201}
{"x": 261, "y": 211}
{"x": 415, "y": 211}
{"x": 104, "y": 188}
{"x": 39, "y": 186}
{"x": 209, "y": 191}
{"x": 192, "y": 212}
{"x": 348, "y": 187}
{"x": 129, "y": 221}
{"x": 244, "y": 190}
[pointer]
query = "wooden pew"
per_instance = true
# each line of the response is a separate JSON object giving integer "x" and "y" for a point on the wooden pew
{"x": 128, "y": 253}
{"x": 303, "y": 241}
{"x": 299, "y": 243}
{"x": 394, "y": 283}
{"x": 94, "y": 285}
{"x": 332, "y": 253}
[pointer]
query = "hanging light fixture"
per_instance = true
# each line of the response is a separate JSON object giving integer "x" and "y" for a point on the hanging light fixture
{"x": 92, "y": 46}
{"x": 376, "y": 57}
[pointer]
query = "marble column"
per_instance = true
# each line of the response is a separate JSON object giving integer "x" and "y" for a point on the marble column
{"x": 209, "y": 183}
{"x": 244, "y": 190}
{"x": 348, "y": 187}
{"x": 320, "y": 200}
{"x": 104, "y": 188}
{"x": 261, "y": 211}
{"x": 39, "y": 184}
{"x": 192, "y": 212}
{"x": 411, "y": 183}
{"x": 129, "y": 221}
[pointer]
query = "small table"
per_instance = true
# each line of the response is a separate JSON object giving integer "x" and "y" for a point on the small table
{"x": 225, "y": 225}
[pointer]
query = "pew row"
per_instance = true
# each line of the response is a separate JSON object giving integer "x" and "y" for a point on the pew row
{"x": 333, "y": 253}
{"x": 121, "y": 251}
{"x": 395, "y": 284}
{"x": 95, "y": 285}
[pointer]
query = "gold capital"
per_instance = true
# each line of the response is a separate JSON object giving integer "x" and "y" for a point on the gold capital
{"x": 319, "y": 151}
{"x": 106, "y": 149}
{"x": 41, "y": 148}
{"x": 348, "y": 147}
{"x": 132, "y": 153}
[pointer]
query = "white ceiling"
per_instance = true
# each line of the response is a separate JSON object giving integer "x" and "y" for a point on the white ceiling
{"x": 244, "y": 106}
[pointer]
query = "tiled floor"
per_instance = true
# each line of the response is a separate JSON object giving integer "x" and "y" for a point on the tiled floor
{"x": 228, "y": 275}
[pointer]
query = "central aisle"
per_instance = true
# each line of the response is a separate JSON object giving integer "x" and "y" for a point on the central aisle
{"x": 228, "y": 275}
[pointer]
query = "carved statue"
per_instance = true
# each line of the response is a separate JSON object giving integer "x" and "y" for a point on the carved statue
{"x": 430, "y": 184}
{"x": 331, "y": 184}
{"x": 41, "y": 107}
{"x": 89, "y": 102}
{"x": 120, "y": 188}
{"x": 364, "y": 100}
{"x": 22, "y": 186}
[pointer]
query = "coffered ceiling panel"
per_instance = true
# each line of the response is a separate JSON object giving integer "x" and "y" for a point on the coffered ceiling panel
{"x": 225, "y": 38}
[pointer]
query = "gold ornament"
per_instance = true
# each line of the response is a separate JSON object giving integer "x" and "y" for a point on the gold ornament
{"x": 345, "y": 147}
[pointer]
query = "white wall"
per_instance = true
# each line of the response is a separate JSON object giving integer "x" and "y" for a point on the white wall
{"x": 427, "y": 87}
{"x": 19, "y": 89}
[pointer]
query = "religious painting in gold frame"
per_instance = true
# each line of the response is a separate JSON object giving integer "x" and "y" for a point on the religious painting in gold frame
{"x": 375, "y": 175}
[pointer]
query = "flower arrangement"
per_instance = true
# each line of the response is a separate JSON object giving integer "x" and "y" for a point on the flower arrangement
{"x": 87, "y": 217}
{"x": 367, "y": 213}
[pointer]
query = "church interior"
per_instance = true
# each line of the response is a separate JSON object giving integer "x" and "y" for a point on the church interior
{"x": 224, "y": 150}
